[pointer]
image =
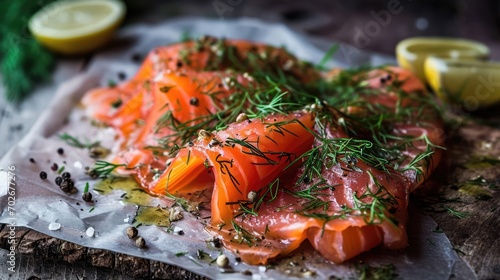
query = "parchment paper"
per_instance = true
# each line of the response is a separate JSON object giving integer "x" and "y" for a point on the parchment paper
{"x": 40, "y": 202}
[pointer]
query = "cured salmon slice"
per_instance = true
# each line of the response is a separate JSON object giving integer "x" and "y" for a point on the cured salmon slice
{"x": 243, "y": 158}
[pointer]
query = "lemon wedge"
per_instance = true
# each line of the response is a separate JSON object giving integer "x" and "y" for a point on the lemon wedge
{"x": 78, "y": 26}
{"x": 470, "y": 83}
{"x": 411, "y": 53}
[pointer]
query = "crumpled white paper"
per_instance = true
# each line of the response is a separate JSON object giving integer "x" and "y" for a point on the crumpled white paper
{"x": 39, "y": 203}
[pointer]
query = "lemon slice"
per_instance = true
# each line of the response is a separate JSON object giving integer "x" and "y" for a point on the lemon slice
{"x": 76, "y": 27}
{"x": 471, "y": 83}
{"x": 411, "y": 53}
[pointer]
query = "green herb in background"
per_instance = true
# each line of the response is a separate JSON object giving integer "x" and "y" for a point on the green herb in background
{"x": 23, "y": 62}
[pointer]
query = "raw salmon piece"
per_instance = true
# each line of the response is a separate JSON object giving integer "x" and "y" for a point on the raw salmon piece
{"x": 243, "y": 158}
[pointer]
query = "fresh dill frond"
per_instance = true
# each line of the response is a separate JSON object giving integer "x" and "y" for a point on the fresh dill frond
{"x": 103, "y": 168}
{"x": 73, "y": 141}
{"x": 23, "y": 61}
{"x": 458, "y": 214}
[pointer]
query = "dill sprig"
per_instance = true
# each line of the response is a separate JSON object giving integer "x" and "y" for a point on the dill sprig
{"x": 242, "y": 235}
{"x": 458, "y": 214}
{"x": 103, "y": 168}
{"x": 73, "y": 141}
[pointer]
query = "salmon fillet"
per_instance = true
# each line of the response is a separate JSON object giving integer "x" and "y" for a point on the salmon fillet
{"x": 289, "y": 153}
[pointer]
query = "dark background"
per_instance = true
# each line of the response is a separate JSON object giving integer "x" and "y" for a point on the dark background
{"x": 339, "y": 20}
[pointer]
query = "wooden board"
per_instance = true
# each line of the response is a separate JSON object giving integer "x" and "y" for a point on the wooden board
{"x": 58, "y": 259}
{"x": 463, "y": 197}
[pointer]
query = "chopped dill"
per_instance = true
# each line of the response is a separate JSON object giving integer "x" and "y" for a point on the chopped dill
{"x": 456, "y": 213}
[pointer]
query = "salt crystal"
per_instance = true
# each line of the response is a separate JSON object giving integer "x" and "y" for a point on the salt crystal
{"x": 126, "y": 220}
{"x": 262, "y": 268}
{"x": 78, "y": 165}
{"x": 90, "y": 232}
{"x": 54, "y": 226}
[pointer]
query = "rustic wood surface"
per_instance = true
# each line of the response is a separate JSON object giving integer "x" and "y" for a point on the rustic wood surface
{"x": 475, "y": 236}
{"x": 46, "y": 257}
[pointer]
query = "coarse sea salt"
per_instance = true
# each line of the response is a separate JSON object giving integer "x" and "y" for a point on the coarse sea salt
{"x": 54, "y": 226}
{"x": 78, "y": 165}
{"x": 90, "y": 232}
{"x": 256, "y": 277}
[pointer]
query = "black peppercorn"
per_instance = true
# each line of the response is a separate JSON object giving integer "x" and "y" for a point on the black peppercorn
{"x": 65, "y": 186}
{"x": 43, "y": 175}
{"x": 194, "y": 101}
{"x": 122, "y": 76}
{"x": 136, "y": 57}
{"x": 216, "y": 242}
{"x": 87, "y": 197}
{"x": 60, "y": 151}
{"x": 32, "y": 160}
{"x": 58, "y": 180}
{"x": 66, "y": 175}
{"x": 54, "y": 167}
